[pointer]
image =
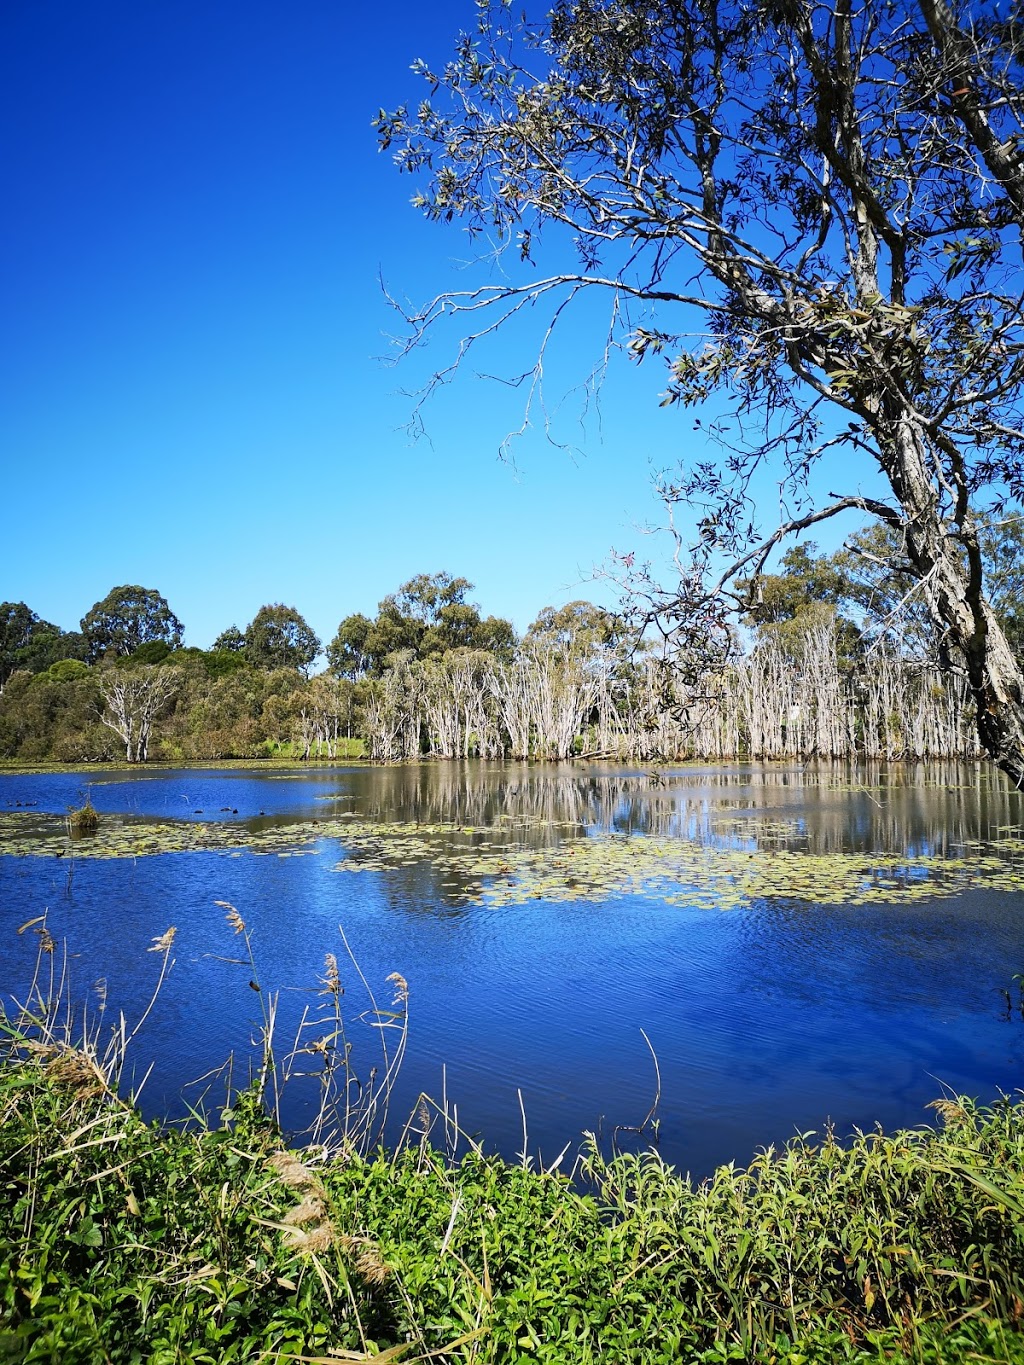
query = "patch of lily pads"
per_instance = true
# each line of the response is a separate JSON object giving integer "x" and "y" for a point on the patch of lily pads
{"x": 37, "y": 835}
{"x": 524, "y": 859}
{"x": 603, "y": 867}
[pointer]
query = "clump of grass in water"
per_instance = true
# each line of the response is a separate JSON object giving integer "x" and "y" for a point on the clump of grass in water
{"x": 84, "y": 819}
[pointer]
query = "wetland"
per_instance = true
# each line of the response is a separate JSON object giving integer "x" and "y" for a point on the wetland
{"x": 802, "y": 944}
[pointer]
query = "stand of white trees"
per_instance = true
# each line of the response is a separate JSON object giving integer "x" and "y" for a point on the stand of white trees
{"x": 778, "y": 700}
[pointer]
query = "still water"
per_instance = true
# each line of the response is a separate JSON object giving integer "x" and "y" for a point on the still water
{"x": 801, "y": 945}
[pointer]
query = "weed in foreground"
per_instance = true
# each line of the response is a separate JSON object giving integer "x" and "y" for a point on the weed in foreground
{"x": 120, "y": 1242}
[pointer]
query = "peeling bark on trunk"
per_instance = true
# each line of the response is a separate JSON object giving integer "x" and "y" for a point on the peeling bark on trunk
{"x": 948, "y": 563}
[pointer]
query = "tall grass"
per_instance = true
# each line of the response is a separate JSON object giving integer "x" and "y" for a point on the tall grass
{"x": 218, "y": 1242}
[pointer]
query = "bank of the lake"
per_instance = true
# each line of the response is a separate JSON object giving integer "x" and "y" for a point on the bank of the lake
{"x": 121, "y": 1243}
{"x": 807, "y": 948}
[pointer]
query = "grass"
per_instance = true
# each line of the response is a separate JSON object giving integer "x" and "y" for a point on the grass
{"x": 216, "y": 1243}
{"x": 84, "y": 819}
{"x": 120, "y": 1242}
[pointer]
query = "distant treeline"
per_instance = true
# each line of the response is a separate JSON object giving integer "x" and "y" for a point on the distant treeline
{"x": 429, "y": 675}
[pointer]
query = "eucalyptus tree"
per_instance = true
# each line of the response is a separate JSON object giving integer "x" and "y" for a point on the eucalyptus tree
{"x": 279, "y": 637}
{"x": 426, "y": 617}
{"x": 832, "y": 195}
{"x": 133, "y": 700}
{"x": 231, "y": 640}
{"x": 128, "y": 617}
{"x": 22, "y": 633}
{"x": 348, "y": 655}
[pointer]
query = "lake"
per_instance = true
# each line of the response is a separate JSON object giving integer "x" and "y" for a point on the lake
{"x": 802, "y": 945}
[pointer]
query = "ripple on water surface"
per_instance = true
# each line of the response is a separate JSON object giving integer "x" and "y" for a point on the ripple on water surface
{"x": 544, "y": 916}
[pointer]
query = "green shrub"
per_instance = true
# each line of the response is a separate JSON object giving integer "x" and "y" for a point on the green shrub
{"x": 152, "y": 652}
{"x": 119, "y": 1242}
{"x": 67, "y": 670}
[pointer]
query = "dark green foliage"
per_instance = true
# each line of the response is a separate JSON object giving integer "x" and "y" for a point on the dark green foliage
{"x": 54, "y": 715}
{"x": 278, "y": 637}
{"x": 219, "y": 663}
{"x": 152, "y": 652}
{"x": 230, "y": 639}
{"x": 27, "y": 641}
{"x": 67, "y": 670}
{"x": 347, "y": 654}
{"x": 50, "y": 646}
{"x": 120, "y": 1243}
{"x": 496, "y": 636}
{"x": 870, "y": 586}
{"x": 428, "y": 616}
{"x": 128, "y": 617}
{"x": 576, "y": 624}
{"x": 806, "y": 578}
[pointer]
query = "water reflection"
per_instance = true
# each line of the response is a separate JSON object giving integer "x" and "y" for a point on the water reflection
{"x": 911, "y": 809}
{"x": 922, "y": 809}
{"x": 767, "y": 1019}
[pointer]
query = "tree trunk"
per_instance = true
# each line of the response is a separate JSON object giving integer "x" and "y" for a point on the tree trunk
{"x": 948, "y": 562}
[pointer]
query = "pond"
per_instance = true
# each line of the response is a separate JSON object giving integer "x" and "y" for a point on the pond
{"x": 801, "y": 945}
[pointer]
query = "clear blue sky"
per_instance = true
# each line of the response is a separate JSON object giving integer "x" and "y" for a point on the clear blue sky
{"x": 190, "y": 392}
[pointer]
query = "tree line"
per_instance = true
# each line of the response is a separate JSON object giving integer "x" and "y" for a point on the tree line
{"x": 833, "y": 658}
{"x": 810, "y": 218}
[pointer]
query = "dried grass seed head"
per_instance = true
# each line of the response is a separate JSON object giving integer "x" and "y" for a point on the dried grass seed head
{"x": 163, "y": 942}
{"x": 291, "y": 1172}
{"x": 233, "y": 917}
{"x": 74, "y": 1070}
{"x": 952, "y": 1112}
{"x": 401, "y": 988}
{"x": 316, "y": 1240}
{"x": 332, "y": 977}
{"x": 311, "y": 1210}
{"x": 369, "y": 1265}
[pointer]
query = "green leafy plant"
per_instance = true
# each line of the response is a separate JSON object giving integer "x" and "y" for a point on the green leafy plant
{"x": 215, "y": 1242}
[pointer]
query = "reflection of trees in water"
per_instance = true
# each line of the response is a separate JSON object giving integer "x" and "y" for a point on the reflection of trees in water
{"x": 918, "y": 809}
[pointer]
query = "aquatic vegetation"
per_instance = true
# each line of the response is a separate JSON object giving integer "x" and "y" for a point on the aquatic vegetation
{"x": 83, "y": 819}
{"x": 38, "y": 835}
{"x": 523, "y": 858}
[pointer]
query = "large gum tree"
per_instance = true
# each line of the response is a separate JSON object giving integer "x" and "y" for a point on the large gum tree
{"x": 837, "y": 189}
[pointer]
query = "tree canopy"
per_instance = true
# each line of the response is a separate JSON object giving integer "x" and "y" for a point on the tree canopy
{"x": 230, "y": 639}
{"x": 838, "y": 190}
{"x": 25, "y": 639}
{"x": 279, "y": 637}
{"x": 128, "y": 617}
{"x": 427, "y": 616}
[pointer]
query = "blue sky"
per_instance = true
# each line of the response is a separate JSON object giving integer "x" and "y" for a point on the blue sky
{"x": 191, "y": 395}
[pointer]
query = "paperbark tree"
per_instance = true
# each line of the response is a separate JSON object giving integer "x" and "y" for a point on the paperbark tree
{"x": 838, "y": 189}
{"x": 134, "y": 698}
